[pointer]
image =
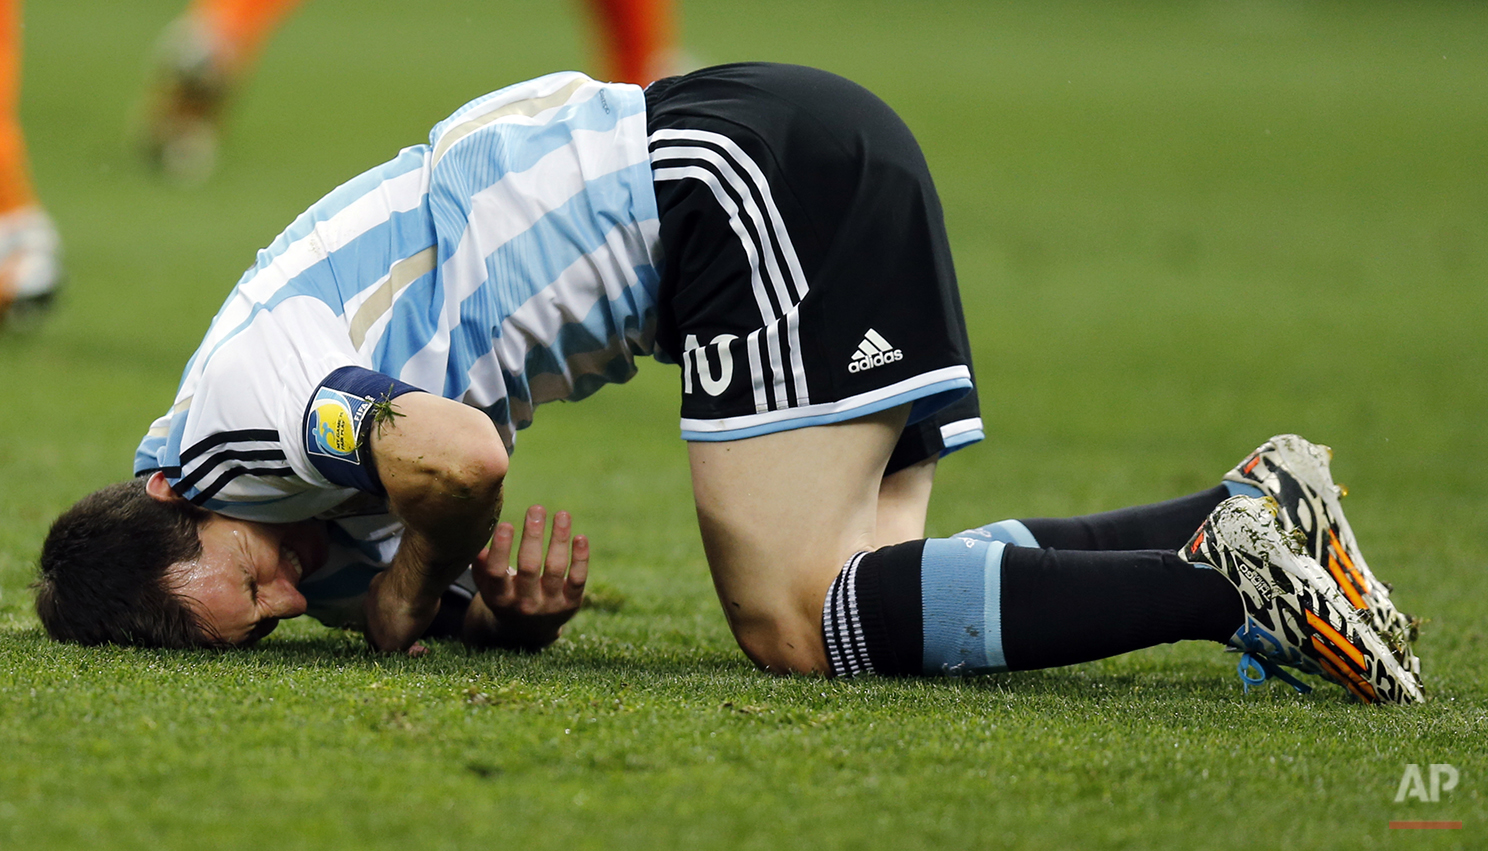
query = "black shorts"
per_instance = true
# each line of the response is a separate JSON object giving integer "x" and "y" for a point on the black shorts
{"x": 807, "y": 276}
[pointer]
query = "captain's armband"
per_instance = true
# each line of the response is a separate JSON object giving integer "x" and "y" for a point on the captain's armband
{"x": 338, "y": 424}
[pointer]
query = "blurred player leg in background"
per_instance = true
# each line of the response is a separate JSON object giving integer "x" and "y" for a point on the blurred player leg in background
{"x": 30, "y": 251}
{"x": 639, "y": 39}
{"x": 200, "y": 59}
{"x": 207, "y": 52}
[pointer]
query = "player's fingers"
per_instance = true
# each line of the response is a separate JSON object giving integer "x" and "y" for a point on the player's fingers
{"x": 578, "y": 570}
{"x": 559, "y": 545}
{"x": 490, "y": 569}
{"x": 529, "y": 551}
{"x": 498, "y": 554}
{"x": 480, "y": 566}
{"x": 557, "y": 561}
{"x": 481, "y": 563}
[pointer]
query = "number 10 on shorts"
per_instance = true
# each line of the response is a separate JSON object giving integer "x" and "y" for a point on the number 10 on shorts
{"x": 695, "y": 359}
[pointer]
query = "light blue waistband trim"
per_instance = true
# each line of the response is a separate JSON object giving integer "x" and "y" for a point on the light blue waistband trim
{"x": 793, "y": 418}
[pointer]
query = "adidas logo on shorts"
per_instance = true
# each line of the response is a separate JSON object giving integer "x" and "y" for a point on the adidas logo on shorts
{"x": 873, "y": 351}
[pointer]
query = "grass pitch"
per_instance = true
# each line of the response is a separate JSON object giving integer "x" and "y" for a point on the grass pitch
{"x": 1179, "y": 228}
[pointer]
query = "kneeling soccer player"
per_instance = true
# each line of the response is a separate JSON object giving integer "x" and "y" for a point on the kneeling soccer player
{"x": 339, "y": 441}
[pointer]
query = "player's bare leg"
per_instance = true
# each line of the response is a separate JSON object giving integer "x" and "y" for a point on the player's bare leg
{"x": 637, "y": 38}
{"x": 15, "y": 176}
{"x": 904, "y": 503}
{"x": 201, "y": 57}
{"x": 779, "y": 515}
{"x": 30, "y": 251}
{"x": 786, "y": 516}
{"x": 820, "y": 563}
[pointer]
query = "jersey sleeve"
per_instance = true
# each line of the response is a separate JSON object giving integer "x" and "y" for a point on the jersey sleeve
{"x": 237, "y": 439}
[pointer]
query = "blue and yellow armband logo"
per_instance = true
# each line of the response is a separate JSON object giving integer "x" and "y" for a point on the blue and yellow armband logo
{"x": 334, "y": 424}
{"x": 338, "y": 425}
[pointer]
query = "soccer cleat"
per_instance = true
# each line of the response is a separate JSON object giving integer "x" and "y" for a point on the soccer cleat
{"x": 1294, "y": 615}
{"x": 30, "y": 263}
{"x": 1295, "y": 473}
{"x": 192, "y": 80}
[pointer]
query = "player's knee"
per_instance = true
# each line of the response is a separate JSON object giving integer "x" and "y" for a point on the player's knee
{"x": 781, "y": 639}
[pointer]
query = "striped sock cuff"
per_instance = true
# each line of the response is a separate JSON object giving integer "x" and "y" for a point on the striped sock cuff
{"x": 871, "y": 619}
{"x": 847, "y": 646}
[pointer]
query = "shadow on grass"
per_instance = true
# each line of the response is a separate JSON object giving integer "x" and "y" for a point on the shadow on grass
{"x": 347, "y": 651}
{"x": 602, "y": 659}
{"x": 1172, "y": 679}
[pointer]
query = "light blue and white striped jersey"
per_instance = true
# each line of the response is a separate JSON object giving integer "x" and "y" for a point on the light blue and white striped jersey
{"x": 511, "y": 261}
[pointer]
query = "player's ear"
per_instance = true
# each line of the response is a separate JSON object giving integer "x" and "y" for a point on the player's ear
{"x": 160, "y": 490}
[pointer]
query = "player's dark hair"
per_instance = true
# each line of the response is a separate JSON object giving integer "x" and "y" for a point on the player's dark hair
{"x": 105, "y": 571}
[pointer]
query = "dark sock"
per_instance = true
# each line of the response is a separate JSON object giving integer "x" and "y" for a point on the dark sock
{"x": 1160, "y": 526}
{"x": 1061, "y": 607}
{"x": 872, "y": 618}
{"x": 951, "y": 605}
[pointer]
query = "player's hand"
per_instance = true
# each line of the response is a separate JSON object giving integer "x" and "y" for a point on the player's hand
{"x": 531, "y": 603}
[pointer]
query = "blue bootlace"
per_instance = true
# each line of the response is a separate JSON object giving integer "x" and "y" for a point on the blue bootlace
{"x": 1255, "y": 670}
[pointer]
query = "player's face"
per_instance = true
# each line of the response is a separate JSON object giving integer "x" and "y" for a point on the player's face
{"x": 247, "y": 577}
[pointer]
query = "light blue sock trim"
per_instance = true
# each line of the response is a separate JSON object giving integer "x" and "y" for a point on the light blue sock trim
{"x": 1243, "y": 489}
{"x": 992, "y": 605}
{"x": 961, "y": 606}
{"x": 1007, "y": 531}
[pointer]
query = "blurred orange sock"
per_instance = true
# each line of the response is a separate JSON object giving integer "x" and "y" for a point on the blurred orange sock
{"x": 242, "y": 25}
{"x": 30, "y": 250}
{"x": 637, "y": 37}
{"x": 15, "y": 175}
